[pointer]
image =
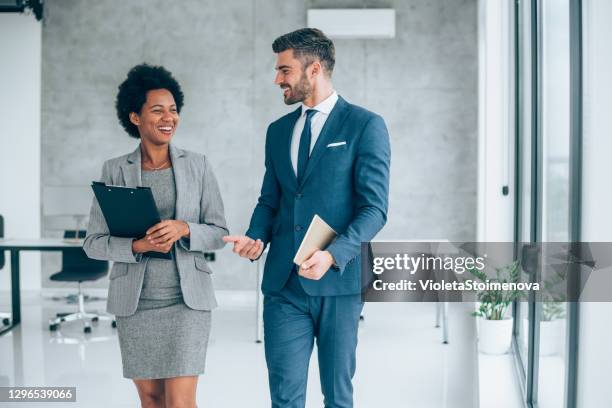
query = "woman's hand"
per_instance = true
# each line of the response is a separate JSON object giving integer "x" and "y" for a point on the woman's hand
{"x": 161, "y": 237}
{"x": 166, "y": 233}
{"x": 143, "y": 245}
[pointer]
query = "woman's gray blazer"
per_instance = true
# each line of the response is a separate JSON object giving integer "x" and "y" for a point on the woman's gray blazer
{"x": 198, "y": 202}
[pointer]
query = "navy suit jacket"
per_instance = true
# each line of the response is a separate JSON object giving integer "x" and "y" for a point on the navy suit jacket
{"x": 347, "y": 185}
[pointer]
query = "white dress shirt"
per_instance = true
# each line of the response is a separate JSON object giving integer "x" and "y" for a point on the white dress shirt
{"x": 316, "y": 124}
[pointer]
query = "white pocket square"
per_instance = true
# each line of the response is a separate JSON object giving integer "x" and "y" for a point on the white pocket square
{"x": 336, "y": 144}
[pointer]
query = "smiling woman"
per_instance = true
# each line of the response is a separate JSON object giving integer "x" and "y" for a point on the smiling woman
{"x": 158, "y": 117}
{"x": 162, "y": 306}
{"x": 147, "y": 89}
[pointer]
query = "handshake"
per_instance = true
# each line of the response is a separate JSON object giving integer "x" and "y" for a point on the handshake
{"x": 313, "y": 268}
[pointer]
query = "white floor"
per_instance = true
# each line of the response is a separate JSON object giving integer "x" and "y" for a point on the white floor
{"x": 498, "y": 385}
{"x": 401, "y": 360}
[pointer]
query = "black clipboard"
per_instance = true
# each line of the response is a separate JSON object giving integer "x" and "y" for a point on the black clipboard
{"x": 129, "y": 212}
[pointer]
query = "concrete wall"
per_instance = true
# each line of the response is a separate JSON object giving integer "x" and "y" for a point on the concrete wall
{"x": 423, "y": 82}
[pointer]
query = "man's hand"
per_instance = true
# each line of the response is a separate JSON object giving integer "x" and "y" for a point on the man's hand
{"x": 245, "y": 247}
{"x": 166, "y": 233}
{"x": 315, "y": 267}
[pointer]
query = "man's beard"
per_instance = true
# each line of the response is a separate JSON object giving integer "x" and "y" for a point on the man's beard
{"x": 299, "y": 91}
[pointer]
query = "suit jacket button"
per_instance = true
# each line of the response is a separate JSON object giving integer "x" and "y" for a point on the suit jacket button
{"x": 298, "y": 227}
{"x": 299, "y": 195}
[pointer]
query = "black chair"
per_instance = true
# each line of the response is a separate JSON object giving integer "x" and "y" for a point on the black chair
{"x": 77, "y": 267}
{"x": 6, "y": 317}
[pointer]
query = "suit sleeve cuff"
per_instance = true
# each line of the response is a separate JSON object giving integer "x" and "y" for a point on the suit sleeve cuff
{"x": 339, "y": 261}
{"x": 122, "y": 247}
{"x": 254, "y": 236}
{"x": 190, "y": 243}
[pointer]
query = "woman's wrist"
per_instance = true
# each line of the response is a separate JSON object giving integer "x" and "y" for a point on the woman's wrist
{"x": 186, "y": 232}
{"x": 137, "y": 246}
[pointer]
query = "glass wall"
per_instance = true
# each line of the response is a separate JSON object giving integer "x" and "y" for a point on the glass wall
{"x": 554, "y": 40}
{"x": 544, "y": 205}
{"x": 525, "y": 181}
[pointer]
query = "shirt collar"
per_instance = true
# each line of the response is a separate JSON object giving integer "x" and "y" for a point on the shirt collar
{"x": 324, "y": 106}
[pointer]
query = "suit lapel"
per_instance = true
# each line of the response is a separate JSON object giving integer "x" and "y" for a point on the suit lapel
{"x": 332, "y": 127}
{"x": 131, "y": 169}
{"x": 180, "y": 179}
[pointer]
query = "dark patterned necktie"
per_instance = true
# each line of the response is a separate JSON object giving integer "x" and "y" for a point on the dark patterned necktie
{"x": 304, "y": 150}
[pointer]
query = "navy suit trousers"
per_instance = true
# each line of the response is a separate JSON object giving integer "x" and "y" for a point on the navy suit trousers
{"x": 292, "y": 322}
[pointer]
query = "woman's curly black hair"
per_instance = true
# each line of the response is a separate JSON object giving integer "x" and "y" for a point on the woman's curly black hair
{"x": 133, "y": 92}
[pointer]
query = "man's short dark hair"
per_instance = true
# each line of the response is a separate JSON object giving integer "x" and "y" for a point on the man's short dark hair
{"x": 133, "y": 92}
{"x": 307, "y": 45}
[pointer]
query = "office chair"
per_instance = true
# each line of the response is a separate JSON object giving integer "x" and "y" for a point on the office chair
{"x": 77, "y": 267}
{"x": 6, "y": 317}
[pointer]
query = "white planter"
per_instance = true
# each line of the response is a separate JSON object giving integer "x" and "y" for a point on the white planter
{"x": 524, "y": 332}
{"x": 494, "y": 336}
{"x": 552, "y": 337}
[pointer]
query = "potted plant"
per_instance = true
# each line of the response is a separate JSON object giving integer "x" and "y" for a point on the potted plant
{"x": 552, "y": 316}
{"x": 494, "y": 325}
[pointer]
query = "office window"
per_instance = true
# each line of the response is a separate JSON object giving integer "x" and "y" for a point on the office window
{"x": 554, "y": 38}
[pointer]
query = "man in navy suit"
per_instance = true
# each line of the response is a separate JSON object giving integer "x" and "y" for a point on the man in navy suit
{"x": 330, "y": 158}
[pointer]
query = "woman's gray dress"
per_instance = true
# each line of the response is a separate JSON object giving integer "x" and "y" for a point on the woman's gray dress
{"x": 164, "y": 338}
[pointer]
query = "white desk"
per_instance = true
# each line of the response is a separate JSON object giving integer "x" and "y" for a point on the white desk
{"x": 15, "y": 246}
